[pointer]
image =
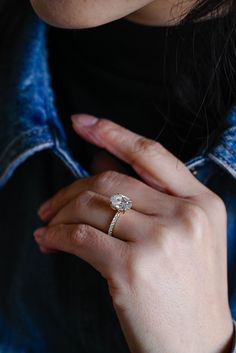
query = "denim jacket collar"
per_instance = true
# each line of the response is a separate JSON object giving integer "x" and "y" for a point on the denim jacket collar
{"x": 29, "y": 121}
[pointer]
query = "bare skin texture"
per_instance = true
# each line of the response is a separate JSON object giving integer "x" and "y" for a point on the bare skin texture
{"x": 165, "y": 264}
{"x": 91, "y": 13}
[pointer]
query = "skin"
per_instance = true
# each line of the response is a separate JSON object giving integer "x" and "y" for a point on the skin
{"x": 165, "y": 264}
{"x": 91, "y": 13}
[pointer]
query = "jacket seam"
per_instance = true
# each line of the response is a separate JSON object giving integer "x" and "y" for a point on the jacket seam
{"x": 16, "y": 139}
{"x": 225, "y": 163}
{"x": 11, "y": 167}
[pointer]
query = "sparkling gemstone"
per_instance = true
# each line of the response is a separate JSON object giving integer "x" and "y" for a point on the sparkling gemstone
{"x": 120, "y": 202}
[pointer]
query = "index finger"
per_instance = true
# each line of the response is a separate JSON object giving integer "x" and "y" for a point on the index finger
{"x": 151, "y": 160}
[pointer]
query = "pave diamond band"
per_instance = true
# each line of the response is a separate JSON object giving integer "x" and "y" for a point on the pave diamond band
{"x": 121, "y": 204}
{"x": 113, "y": 222}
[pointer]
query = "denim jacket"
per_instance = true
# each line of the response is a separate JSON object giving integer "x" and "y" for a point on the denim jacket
{"x": 29, "y": 123}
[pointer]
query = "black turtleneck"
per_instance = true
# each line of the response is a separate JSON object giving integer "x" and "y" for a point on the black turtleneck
{"x": 129, "y": 73}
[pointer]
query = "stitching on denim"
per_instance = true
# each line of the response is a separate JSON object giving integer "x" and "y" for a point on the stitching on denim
{"x": 197, "y": 162}
{"x": 226, "y": 162}
{"x": 43, "y": 141}
{"x": 222, "y": 159}
{"x": 30, "y": 152}
{"x": 29, "y": 133}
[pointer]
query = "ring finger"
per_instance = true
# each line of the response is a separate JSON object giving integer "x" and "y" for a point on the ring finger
{"x": 146, "y": 199}
{"x": 94, "y": 209}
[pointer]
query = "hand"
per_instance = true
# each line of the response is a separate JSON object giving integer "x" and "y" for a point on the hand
{"x": 166, "y": 263}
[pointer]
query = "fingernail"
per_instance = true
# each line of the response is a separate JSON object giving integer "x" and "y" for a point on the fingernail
{"x": 44, "y": 209}
{"x": 84, "y": 120}
{"x": 39, "y": 232}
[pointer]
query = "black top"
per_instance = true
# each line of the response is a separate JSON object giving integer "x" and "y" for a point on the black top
{"x": 129, "y": 73}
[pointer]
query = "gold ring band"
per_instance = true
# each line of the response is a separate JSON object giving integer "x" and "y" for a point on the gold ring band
{"x": 113, "y": 222}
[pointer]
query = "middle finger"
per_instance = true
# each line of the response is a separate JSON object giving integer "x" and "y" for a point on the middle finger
{"x": 146, "y": 199}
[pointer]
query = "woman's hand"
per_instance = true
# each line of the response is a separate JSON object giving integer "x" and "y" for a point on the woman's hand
{"x": 166, "y": 263}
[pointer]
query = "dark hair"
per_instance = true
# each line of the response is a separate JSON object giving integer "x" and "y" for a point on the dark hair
{"x": 208, "y": 94}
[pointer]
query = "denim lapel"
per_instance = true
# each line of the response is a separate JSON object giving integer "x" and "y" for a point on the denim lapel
{"x": 28, "y": 118}
{"x": 29, "y": 121}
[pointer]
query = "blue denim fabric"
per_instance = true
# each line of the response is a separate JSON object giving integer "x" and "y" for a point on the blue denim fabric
{"x": 45, "y": 303}
{"x": 28, "y": 118}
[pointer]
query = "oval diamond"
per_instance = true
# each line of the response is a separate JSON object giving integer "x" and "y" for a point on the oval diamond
{"x": 120, "y": 202}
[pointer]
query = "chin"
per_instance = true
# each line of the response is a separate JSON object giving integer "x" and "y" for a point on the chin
{"x": 71, "y": 14}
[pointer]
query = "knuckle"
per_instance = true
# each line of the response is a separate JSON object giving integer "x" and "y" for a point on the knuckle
{"x": 105, "y": 127}
{"x": 142, "y": 144}
{"x": 148, "y": 145}
{"x": 78, "y": 235}
{"x": 193, "y": 217}
{"x": 217, "y": 203}
{"x": 84, "y": 199}
{"x": 53, "y": 232}
{"x": 192, "y": 211}
{"x": 106, "y": 180}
